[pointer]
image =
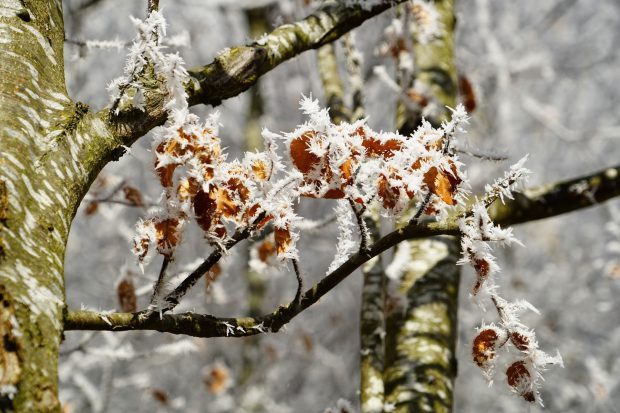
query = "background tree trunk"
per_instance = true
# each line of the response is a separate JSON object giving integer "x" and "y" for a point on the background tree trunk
{"x": 420, "y": 363}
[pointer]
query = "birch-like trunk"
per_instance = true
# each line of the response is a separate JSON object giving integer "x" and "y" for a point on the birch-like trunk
{"x": 420, "y": 363}
{"x": 50, "y": 150}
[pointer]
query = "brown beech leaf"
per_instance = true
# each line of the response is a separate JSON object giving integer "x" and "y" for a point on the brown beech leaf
{"x": 387, "y": 194}
{"x": 211, "y": 276}
{"x": 218, "y": 379}
{"x": 520, "y": 341}
{"x": 91, "y": 208}
{"x": 165, "y": 174}
{"x": 520, "y": 379}
{"x": 467, "y": 93}
{"x": 188, "y": 188}
{"x": 225, "y": 205}
{"x": 260, "y": 169}
{"x": 204, "y": 209}
{"x": 483, "y": 348}
{"x": 133, "y": 195}
{"x": 283, "y": 239}
{"x": 443, "y": 184}
{"x": 126, "y": 293}
{"x": 265, "y": 250}
{"x": 301, "y": 156}
{"x": 161, "y": 396}
{"x": 377, "y": 148}
{"x": 167, "y": 235}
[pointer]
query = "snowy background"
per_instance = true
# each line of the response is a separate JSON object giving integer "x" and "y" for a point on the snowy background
{"x": 546, "y": 78}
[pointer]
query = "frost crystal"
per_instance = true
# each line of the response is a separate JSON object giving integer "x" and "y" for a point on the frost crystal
{"x": 346, "y": 244}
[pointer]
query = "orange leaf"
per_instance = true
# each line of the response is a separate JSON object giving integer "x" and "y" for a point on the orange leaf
{"x": 283, "y": 240}
{"x": 218, "y": 379}
{"x": 188, "y": 187}
{"x": 483, "y": 349}
{"x": 388, "y": 195}
{"x": 442, "y": 184}
{"x": 133, "y": 196}
{"x": 204, "y": 209}
{"x": 266, "y": 250}
{"x": 165, "y": 174}
{"x": 167, "y": 235}
{"x": 519, "y": 378}
{"x": 377, "y": 148}
{"x": 91, "y": 208}
{"x": 126, "y": 293}
{"x": 301, "y": 156}
{"x": 259, "y": 167}
{"x": 225, "y": 205}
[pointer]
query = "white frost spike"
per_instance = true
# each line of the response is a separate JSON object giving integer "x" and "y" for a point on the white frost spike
{"x": 503, "y": 187}
{"x": 346, "y": 244}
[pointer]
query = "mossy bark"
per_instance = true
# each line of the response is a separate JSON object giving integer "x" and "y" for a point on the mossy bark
{"x": 420, "y": 364}
{"x": 50, "y": 150}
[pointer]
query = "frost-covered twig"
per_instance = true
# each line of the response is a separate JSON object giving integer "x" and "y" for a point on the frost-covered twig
{"x": 477, "y": 231}
{"x": 300, "y": 282}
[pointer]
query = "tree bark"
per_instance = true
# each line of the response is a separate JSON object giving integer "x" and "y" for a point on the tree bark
{"x": 39, "y": 170}
{"x": 420, "y": 363}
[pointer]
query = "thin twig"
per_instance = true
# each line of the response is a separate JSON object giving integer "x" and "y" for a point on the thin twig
{"x": 173, "y": 298}
{"x": 361, "y": 225}
{"x": 157, "y": 288}
{"x": 300, "y": 283}
{"x": 484, "y": 157}
{"x": 421, "y": 209}
{"x": 120, "y": 202}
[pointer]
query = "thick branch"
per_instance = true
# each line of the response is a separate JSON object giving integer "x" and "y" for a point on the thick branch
{"x": 558, "y": 198}
{"x": 236, "y": 69}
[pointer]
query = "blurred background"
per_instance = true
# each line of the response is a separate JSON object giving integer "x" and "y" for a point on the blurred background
{"x": 545, "y": 76}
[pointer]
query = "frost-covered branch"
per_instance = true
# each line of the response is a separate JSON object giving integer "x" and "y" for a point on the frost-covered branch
{"x": 238, "y": 68}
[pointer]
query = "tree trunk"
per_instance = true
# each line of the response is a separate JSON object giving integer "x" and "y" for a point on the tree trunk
{"x": 48, "y": 158}
{"x": 420, "y": 363}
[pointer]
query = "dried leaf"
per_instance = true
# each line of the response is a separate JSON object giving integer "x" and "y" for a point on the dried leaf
{"x": 388, "y": 195}
{"x": 520, "y": 379}
{"x": 377, "y": 148}
{"x": 161, "y": 396}
{"x": 443, "y": 184}
{"x": 218, "y": 379}
{"x": 266, "y": 250}
{"x": 126, "y": 293}
{"x": 167, "y": 236}
{"x": 133, "y": 195}
{"x": 283, "y": 240}
{"x": 301, "y": 156}
{"x": 260, "y": 169}
{"x": 467, "y": 93}
{"x": 483, "y": 348}
{"x": 211, "y": 276}
{"x": 204, "y": 209}
{"x": 91, "y": 208}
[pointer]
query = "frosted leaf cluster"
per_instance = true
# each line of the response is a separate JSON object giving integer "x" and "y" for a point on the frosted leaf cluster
{"x": 478, "y": 230}
{"x": 351, "y": 161}
{"x": 348, "y": 162}
{"x": 524, "y": 374}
